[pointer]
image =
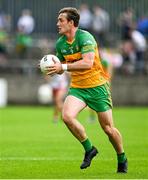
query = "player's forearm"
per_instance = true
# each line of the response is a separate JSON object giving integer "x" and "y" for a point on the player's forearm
{"x": 80, "y": 65}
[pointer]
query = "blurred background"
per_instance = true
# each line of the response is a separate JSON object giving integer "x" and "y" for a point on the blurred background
{"x": 28, "y": 31}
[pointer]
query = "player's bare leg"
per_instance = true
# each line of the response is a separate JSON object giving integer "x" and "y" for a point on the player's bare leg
{"x": 72, "y": 106}
{"x": 58, "y": 96}
{"x": 106, "y": 122}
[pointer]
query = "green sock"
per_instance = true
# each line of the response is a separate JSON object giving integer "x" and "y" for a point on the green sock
{"x": 121, "y": 157}
{"x": 87, "y": 145}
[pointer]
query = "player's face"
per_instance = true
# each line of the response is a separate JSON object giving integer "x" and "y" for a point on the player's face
{"x": 63, "y": 24}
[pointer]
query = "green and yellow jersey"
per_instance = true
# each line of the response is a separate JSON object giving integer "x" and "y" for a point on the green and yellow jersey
{"x": 72, "y": 52}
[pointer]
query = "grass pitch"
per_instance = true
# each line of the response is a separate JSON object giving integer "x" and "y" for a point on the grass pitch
{"x": 33, "y": 147}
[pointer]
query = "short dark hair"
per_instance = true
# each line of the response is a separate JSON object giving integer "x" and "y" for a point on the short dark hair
{"x": 72, "y": 14}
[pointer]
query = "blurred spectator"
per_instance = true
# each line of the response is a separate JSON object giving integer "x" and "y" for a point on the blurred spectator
{"x": 100, "y": 26}
{"x": 85, "y": 17}
{"x": 142, "y": 26}
{"x": 26, "y": 22}
{"x": 25, "y": 27}
{"x": 23, "y": 42}
{"x": 5, "y": 21}
{"x": 129, "y": 57}
{"x": 2, "y": 20}
{"x": 133, "y": 52}
{"x": 139, "y": 44}
{"x": 3, "y": 49}
{"x": 126, "y": 21}
{"x": 8, "y": 24}
{"x": 113, "y": 58}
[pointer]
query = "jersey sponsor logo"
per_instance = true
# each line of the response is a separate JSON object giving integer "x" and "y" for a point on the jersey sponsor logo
{"x": 63, "y": 51}
{"x": 88, "y": 47}
{"x": 77, "y": 48}
{"x": 71, "y": 50}
{"x": 88, "y": 42}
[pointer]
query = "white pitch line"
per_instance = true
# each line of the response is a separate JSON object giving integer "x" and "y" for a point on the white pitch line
{"x": 42, "y": 159}
{"x": 34, "y": 159}
{"x": 58, "y": 159}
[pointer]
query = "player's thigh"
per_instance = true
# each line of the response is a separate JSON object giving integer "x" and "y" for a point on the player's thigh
{"x": 73, "y": 105}
{"x": 105, "y": 118}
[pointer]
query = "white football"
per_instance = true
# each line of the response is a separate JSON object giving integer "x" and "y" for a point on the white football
{"x": 47, "y": 60}
{"x": 45, "y": 94}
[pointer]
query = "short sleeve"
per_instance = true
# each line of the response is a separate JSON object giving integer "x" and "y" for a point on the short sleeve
{"x": 58, "y": 53}
{"x": 87, "y": 43}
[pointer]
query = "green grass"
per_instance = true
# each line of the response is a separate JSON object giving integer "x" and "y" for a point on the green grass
{"x": 32, "y": 147}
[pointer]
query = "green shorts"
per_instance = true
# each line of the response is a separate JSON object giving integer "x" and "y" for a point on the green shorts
{"x": 97, "y": 98}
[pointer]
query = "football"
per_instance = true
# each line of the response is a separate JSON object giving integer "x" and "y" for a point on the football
{"x": 46, "y": 61}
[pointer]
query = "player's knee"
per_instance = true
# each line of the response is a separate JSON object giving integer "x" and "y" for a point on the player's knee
{"x": 108, "y": 130}
{"x": 66, "y": 117}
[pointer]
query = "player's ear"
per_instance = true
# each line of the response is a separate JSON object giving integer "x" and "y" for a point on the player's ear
{"x": 71, "y": 22}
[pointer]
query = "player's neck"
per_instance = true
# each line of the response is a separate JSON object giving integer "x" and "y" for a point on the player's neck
{"x": 71, "y": 35}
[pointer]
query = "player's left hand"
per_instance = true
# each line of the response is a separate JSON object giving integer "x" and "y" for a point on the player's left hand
{"x": 56, "y": 68}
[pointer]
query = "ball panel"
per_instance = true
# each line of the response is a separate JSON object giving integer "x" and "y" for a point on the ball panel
{"x": 47, "y": 60}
